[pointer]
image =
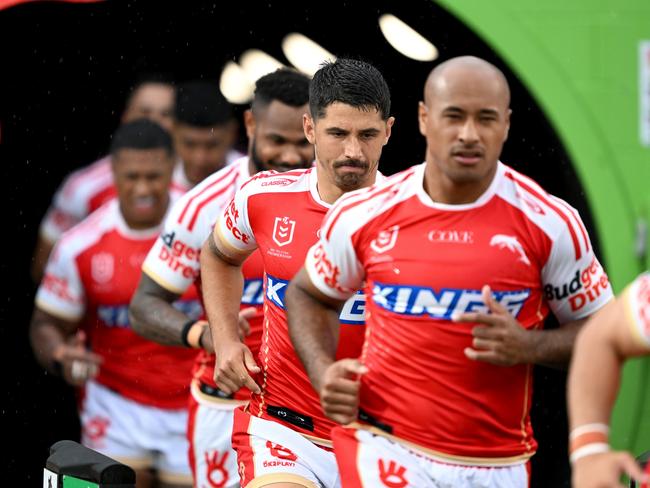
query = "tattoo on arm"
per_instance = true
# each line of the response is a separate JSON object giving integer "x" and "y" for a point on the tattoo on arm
{"x": 218, "y": 253}
{"x": 153, "y": 316}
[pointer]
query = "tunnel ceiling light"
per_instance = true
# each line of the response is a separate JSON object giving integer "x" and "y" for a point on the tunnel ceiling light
{"x": 257, "y": 63}
{"x": 235, "y": 84}
{"x": 305, "y": 54}
{"x": 406, "y": 40}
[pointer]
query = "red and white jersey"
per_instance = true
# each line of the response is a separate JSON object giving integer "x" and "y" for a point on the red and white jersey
{"x": 636, "y": 300}
{"x": 173, "y": 261}
{"x": 90, "y": 277}
{"x": 87, "y": 189}
{"x": 280, "y": 214}
{"x": 423, "y": 263}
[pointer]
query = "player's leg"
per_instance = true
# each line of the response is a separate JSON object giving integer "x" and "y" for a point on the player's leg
{"x": 107, "y": 422}
{"x": 272, "y": 455}
{"x": 211, "y": 454}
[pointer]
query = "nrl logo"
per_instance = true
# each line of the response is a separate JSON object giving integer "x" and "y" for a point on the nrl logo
{"x": 512, "y": 244}
{"x": 101, "y": 267}
{"x": 283, "y": 230}
{"x": 385, "y": 240}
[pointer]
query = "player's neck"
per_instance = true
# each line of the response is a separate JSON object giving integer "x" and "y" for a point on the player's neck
{"x": 330, "y": 192}
{"x": 442, "y": 189}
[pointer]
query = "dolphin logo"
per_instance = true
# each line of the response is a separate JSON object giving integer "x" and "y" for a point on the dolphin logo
{"x": 512, "y": 244}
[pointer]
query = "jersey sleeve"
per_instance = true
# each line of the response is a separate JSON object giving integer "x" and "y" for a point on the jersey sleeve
{"x": 636, "y": 301}
{"x": 61, "y": 292}
{"x": 332, "y": 263}
{"x": 64, "y": 212}
{"x": 173, "y": 261}
{"x": 233, "y": 229}
{"x": 575, "y": 283}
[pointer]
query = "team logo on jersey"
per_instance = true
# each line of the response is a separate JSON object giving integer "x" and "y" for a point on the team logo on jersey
{"x": 283, "y": 230}
{"x": 385, "y": 240}
{"x": 510, "y": 243}
{"x": 101, "y": 267}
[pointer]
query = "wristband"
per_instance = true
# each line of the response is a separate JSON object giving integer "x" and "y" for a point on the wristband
{"x": 192, "y": 332}
{"x": 587, "y": 440}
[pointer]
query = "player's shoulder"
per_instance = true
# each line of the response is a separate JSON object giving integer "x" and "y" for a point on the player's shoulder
{"x": 361, "y": 206}
{"x": 84, "y": 181}
{"x": 213, "y": 191}
{"x": 537, "y": 205}
{"x": 275, "y": 182}
{"x": 90, "y": 230}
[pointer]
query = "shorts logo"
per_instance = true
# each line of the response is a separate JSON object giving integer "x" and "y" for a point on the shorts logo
{"x": 283, "y": 229}
{"x": 393, "y": 475}
{"x": 216, "y": 472}
{"x": 101, "y": 267}
{"x": 95, "y": 430}
{"x": 511, "y": 244}
{"x": 385, "y": 240}
{"x": 281, "y": 452}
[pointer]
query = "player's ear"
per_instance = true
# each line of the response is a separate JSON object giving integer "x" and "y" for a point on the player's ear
{"x": 423, "y": 115}
{"x": 389, "y": 128}
{"x": 309, "y": 128}
{"x": 249, "y": 124}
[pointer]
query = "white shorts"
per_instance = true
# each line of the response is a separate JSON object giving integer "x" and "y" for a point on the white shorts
{"x": 213, "y": 460}
{"x": 367, "y": 459}
{"x": 137, "y": 435}
{"x": 268, "y": 452}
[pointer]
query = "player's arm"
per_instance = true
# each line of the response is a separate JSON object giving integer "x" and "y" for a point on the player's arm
{"x": 42, "y": 251}
{"x": 60, "y": 347}
{"x": 607, "y": 340}
{"x": 313, "y": 325}
{"x": 314, "y": 330}
{"x": 153, "y": 316}
{"x": 222, "y": 285}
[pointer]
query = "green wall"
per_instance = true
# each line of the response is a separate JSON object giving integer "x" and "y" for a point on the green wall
{"x": 579, "y": 59}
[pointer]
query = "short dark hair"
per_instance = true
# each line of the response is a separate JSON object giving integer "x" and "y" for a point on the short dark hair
{"x": 141, "y": 134}
{"x": 350, "y": 81}
{"x": 201, "y": 104}
{"x": 149, "y": 78}
{"x": 285, "y": 85}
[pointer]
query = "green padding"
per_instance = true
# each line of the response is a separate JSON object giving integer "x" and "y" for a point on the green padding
{"x": 72, "y": 482}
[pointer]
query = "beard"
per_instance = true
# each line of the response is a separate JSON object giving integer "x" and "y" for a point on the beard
{"x": 280, "y": 166}
{"x": 350, "y": 181}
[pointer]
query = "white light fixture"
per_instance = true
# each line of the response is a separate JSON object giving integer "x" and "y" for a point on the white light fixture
{"x": 257, "y": 63}
{"x": 235, "y": 85}
{"x": 406, "y": 40}
{"x": 305, "y": 54}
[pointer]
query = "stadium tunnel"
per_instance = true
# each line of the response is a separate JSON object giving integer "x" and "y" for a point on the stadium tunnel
{"x": 573, "y": 71}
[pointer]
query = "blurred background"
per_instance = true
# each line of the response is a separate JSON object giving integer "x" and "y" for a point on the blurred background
{"x": 580, "y": 78}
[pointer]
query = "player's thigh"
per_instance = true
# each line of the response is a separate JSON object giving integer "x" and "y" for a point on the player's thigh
{"x": 215, "y": 461}
{"x": 270, "y": 454}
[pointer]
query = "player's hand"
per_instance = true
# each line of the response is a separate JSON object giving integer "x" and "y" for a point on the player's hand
{"x": 233, "y": 367}
{"x": 244, "y": 316}
{"x": 501, "y": 340}
{"x": 605, "y": 470}
{"x": 78, "y": 364}
{"x": 339, "y": 392}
